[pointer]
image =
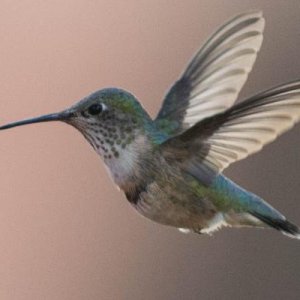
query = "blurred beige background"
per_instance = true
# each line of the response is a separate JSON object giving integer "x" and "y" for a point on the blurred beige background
{"x": 65, "y": 230}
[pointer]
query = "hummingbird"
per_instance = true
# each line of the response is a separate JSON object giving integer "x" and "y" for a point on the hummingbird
{"x": 170, "y": 167}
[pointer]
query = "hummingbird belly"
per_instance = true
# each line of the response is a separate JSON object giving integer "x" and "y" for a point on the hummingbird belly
{"x": 175, "y": 203}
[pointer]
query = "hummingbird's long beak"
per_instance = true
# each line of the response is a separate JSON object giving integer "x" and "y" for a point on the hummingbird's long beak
{"x": 61, "y": 116}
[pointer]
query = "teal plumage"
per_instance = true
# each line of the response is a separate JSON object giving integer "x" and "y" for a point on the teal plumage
{"x": 170, "y": 168}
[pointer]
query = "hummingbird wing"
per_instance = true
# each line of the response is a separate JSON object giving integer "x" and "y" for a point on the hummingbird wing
{"x": 214, "y": 143}
{"x": 215, "y": 76}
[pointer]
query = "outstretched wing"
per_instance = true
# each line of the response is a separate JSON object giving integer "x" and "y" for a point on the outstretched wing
{"x": 215, "y": 76}
{"x": 214, "y": 143}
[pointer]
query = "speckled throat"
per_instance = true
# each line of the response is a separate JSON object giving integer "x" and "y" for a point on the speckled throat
{"x": 119, "y": 141}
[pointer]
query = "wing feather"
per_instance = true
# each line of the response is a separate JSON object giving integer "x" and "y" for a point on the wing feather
{"x": 215, "y": 76}
{"x": 245, "y": 128}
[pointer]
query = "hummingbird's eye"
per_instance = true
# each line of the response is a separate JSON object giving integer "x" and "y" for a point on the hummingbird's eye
{"x": 95, "y": 109}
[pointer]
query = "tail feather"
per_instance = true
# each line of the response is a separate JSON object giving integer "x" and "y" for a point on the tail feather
{"x": 250, "y": 210}
{"x": 283, "y": 225}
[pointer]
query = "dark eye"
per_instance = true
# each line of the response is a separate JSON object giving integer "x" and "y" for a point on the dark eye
{"x": 95, "y": 109}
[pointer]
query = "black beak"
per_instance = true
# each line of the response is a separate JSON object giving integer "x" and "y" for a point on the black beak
{"x": 61, "y": 116}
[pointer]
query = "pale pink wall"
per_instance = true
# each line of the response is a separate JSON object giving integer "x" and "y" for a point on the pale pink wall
{"x": 65, "y": 230}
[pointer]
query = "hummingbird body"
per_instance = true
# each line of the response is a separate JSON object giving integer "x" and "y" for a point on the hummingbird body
{"x": 170, "y": 168}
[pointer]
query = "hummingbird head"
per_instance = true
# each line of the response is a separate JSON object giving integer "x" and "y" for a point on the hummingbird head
{"x": 110, "y": 119}
{"x": 113, "y": 122}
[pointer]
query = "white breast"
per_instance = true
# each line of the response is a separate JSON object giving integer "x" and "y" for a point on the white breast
{"x": 126, "y": 165}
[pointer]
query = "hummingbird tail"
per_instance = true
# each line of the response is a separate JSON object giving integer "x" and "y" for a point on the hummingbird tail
{"x": 282, "y": 224}
{"x": 251, "y": 210}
